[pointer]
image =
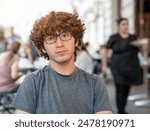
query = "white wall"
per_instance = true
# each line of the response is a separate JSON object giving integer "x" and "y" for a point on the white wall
{"x": 128, "y": 10}
{"x": 22, "y": 13}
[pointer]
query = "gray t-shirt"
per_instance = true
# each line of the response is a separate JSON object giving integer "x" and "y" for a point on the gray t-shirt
{"x": 48, "y": 92}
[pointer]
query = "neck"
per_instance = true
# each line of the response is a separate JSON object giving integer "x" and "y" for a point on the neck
{"x": 65, "y": 68}
{"x": 124, "y": 34}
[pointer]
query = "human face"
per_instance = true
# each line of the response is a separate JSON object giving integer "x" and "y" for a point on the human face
{"x": 123, "y": 26}
{"x": 60, "y": 48}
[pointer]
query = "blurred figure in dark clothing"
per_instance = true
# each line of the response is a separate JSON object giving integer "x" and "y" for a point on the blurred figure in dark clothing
{"x": 124, "y": 63}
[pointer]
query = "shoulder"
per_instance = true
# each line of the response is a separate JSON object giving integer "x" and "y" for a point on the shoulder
{"x": 114, "y": 36}
{"x": 112, "y": 39}
{"x": 94, "y": 82}
{"x": 2, "y": 55}
{"x": 37, "y": 75}
{"x": 40, "y": 72}
{"x": 35, "y": 78}
{"x": 89, "y": 77}
{"x": 133, "y": 36}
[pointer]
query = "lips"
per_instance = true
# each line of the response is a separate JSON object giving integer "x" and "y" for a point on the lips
{"x": 60, "y": 52}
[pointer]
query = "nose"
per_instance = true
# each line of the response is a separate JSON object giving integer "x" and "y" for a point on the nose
{"x": 59, "y": 42}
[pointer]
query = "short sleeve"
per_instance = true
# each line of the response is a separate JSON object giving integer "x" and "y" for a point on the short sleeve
{"x": 101, "y": 99}
{"x": 25, "y": 98}
{"x": 110, "y": 42}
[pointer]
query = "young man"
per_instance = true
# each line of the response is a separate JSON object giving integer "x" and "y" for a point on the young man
{"x": 60, "y": 87}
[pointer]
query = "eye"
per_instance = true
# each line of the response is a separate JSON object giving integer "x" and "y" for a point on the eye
{"x": 49, "y": 38}
{"x": 65, "y": 35}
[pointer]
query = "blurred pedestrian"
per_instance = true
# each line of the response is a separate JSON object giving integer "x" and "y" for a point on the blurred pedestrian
{"x": 12, "y": 36}
{"x": 9, "y": 67}
{"x": 3, "y": 43}
{"x": 124, "y": 63}
{"x": 84, "y": 59}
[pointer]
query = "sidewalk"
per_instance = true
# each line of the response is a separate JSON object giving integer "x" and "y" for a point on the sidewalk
{"x": 130, "y": 108}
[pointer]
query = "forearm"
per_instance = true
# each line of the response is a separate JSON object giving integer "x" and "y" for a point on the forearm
{"x": 105, "y": 58}
{"x": 30, "y": 58}
{"x": 104, "y": 112}
{"x": 17, "y": 75}
{"x": 17, "y": 111}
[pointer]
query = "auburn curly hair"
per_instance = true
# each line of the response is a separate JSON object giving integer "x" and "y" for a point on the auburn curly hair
{"x": 57, "y": 22}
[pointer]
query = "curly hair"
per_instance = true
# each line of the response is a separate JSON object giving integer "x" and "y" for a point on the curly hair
{"x": 57, "y": 22}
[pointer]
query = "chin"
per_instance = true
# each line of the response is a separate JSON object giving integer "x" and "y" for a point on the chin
{"x": 63, "y": 60}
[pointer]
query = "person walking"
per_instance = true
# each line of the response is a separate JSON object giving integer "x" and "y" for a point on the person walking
{"x": 124, "y": 63}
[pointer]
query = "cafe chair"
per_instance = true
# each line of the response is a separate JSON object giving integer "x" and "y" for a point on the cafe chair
{"x": 5, "y": 101}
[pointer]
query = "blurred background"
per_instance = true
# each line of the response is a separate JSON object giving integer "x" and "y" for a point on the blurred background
{"x": 99, "y": 16}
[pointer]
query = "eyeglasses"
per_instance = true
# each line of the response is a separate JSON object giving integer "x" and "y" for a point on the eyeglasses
{"x": 64, "y": 36}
